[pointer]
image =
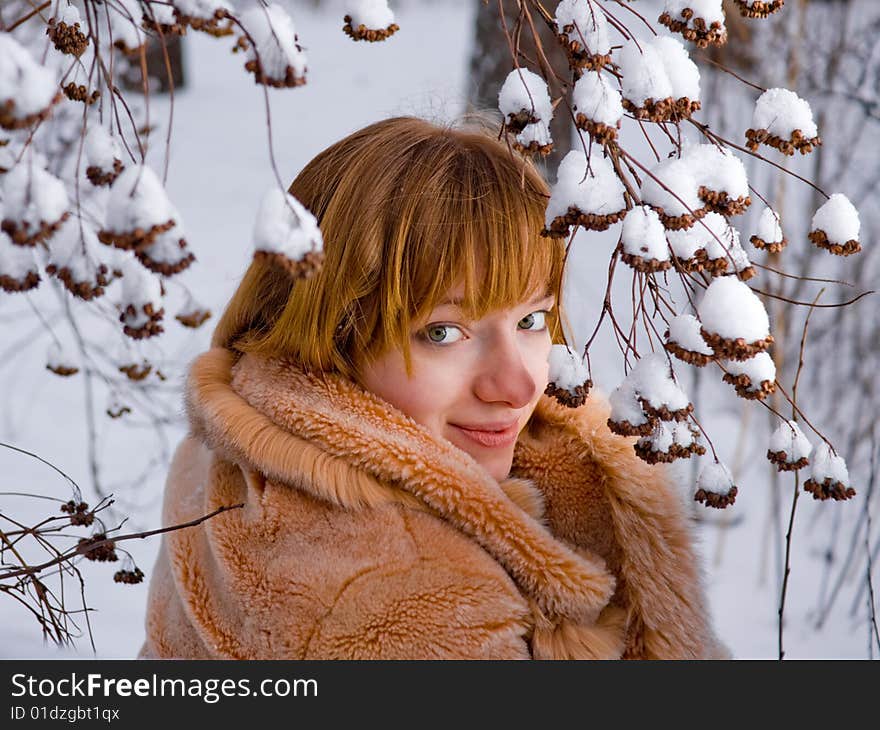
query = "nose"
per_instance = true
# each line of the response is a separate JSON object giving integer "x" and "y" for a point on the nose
{"x": 504, "y": 375}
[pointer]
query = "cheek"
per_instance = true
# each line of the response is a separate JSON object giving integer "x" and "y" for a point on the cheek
{"x": 424, "y": 397}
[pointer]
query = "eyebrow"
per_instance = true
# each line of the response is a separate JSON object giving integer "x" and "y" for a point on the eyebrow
{"x": 456, "y": 301}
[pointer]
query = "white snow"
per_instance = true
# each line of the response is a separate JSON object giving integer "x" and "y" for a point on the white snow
{"x": 16, "y": 262}
{"x": 372, "y": 14}
{"x": 781, "y": 112}
{"x": 681, "y": 195}
{"x": 590, "y": 26}
{"x": 651, "y": 379}
{"x": 274, "y": 41}
{"x": 125, "y": 23}
{"x": 69, "y": 15}
{"x": 138, "y": 200}
{"x": 717, "y": 169}
{"x": 24, "y": 82}
{"x": 769, "y": 226}
{"x": 599, "y": 191}
{"x": 839, "y": 219}
{"x": 683, "y": 74}
{"x": 58, "y": 356}
{"x": 731, "y": 309}
{"x": 535, "y": 132}
{"x": 525, "y": 90}
{"x": 101, "y": 149}
{"x": 759, "y": 369}
{"x": 661, "y": 438}
{"x": 139, "y": 288}
{"x": 286, "y": 227}
{"x": 683, "y": 435}
{"x": 625, "y": 405}
{"x": 643, "y": 234}
{"x": 75, "y": 246}
{"x": 32, "y": 195}
{"x": 166, "y": 249}
{"x": 684, "y": 330}
{"x": 163, "y": 14}
{"x": 825, "y": 464}
{"x": 568, "y": 369}
{"x": 597, "y": 100}
{"x": 790, "y": 439}
{"x": 644, "y": 73}
{"x": 714, "y": 234}
{"x": 715, "y": 477}
{"x": 204, "y": 9}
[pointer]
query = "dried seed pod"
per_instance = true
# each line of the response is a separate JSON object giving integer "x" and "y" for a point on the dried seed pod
{"x": 18, "y": 267}
{"x": 65, "y": 33}
{"x": 130, "y": 577}
{"x": 206, "y": 16}
{"x": 769, "y": 236}
{"x": 287, "y": 234}
{"x": 80, "y": 515}
{"x": 758, "y": 8}
{"x": 699, "y": 21}
{"x": 534, "y": 139}
{"x": 105, "y": 553}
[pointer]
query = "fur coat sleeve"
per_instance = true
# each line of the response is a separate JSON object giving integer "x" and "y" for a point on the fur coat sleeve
{"x": 361, "y": 536}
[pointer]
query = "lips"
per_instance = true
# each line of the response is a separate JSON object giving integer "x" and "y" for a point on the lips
{"x": 490, "y": 435}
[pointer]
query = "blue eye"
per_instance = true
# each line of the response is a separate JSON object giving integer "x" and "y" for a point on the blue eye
{"x": 437, "y": 334}
{"x": 536, "y": 321}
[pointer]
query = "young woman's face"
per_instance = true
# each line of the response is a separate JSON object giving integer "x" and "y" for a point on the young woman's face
{"x": 474, "y": 383}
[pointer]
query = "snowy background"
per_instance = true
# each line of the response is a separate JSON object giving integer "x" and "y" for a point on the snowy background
{"x": 220, "y": 167}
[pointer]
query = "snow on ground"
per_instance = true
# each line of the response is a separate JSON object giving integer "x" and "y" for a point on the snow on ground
{"x": 219, "y": 171}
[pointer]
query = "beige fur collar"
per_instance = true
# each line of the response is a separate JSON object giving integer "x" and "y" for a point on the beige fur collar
{"x": 328, "y": 436}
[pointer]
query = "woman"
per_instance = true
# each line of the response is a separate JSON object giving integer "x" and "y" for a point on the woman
{"x": 408, "y": 489}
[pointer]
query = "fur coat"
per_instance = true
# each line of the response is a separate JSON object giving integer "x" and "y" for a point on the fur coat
{"x": 362, "y": 536}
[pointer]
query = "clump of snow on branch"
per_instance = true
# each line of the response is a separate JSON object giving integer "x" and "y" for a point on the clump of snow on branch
{"x": 715, "y": 486}
{"x": 672, "y": 189}
{"x": 369, "y": 20}
{"x": 754, "y": 378}
{"x": 27, "y": 89}
{"x": 75, "y": 258}
{"x": 34, "y": 203}
{"x": 685, "y": 341}
{"x": 274, "y": 56}
{"x": 140, "y": 302}
{"x": 583, "y": 28}
{"x": 597, "y": 106}
{"x": 103, "y": 156}
{"x": 721, "y": 178}
{"x": 734, "y": 321}
{"x": 699, "y": 21}
{"x": 138, "y": 210}
{"x": 783, "y": 120}
{"x": 569, "y": 377}
{"x": 60, "y": 361}
{"x": 835, "y": 226}
{"x": 288, "y": 234}
{"x": 789, "y": 448}
{"x": 587, "y": 192}
{"x": 644, "y": 240}
{"x": 19, "y": 271}
{"x": 525, "y": 104}
{"x": 768, "y": 236}
{"x": 829, "y": 477}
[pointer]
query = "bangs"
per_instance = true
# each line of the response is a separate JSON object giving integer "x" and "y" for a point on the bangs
{"x": 475, "y": 220}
